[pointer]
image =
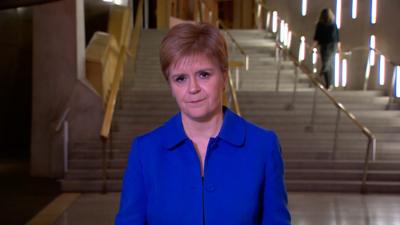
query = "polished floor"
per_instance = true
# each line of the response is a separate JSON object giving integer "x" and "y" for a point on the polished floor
{"x": 306, "y": 209}
{"x": 23, "y": 196}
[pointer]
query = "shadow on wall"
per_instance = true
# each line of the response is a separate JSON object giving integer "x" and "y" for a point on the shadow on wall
{"x": 16, "y": 82}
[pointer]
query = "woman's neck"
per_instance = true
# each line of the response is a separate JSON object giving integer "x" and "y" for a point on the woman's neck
{"x": 203, "y": 129}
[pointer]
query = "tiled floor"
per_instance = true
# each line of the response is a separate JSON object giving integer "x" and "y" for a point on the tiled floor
{"x": 306, "y": 209}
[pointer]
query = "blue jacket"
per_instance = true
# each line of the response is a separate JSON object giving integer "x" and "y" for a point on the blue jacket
{"x": 243, "y": 178}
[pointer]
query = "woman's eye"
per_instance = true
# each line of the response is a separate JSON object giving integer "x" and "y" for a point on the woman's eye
{"x": 180, "y": 78}
{"x": 204, "y": 75}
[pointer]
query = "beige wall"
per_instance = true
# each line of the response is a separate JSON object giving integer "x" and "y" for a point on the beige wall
{"x": 353, "y": 33}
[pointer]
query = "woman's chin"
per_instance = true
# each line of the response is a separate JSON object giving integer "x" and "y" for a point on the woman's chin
{"x": 199, "y": 114}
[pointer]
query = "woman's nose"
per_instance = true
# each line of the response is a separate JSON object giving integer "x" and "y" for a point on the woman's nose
{"x": 193, "y": 86}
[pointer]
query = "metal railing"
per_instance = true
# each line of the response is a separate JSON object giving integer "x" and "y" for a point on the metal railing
{"x": 236, "y": 64}
{"x": 232, "y": 99}
{"x": 282, "y": 49}
{"x": 366, "y": 54}
{"x": 64, "y": 125}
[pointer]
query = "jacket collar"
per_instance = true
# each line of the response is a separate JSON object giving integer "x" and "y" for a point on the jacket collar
{"x": 233, "y": 130}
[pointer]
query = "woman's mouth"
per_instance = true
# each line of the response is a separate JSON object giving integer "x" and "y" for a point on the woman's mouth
{"x": 196, "y": 101}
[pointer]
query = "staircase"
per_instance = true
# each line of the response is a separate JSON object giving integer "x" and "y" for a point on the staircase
{"x": 308, "y": 155}
{"x": 146, "y": 103}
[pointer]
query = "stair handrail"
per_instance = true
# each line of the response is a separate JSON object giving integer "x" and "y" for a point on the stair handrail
{"x": 237, "y": 45}
{"x": 371, "y": 146}
{"x": 105, "y": 132}
{"x": 63, "y": 123}
{"x": 376, "y": 51}
{"x": 112, "y": 99}
{"x": 232, "y": 89}
{"x": 236, "y": 65}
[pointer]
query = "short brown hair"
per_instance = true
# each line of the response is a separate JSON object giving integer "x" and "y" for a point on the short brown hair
{"x": 189, "y": 39}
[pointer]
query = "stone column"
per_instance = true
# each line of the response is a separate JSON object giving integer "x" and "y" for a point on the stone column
{"x": 58, "y": 62}
{"x": 243, "y": 11}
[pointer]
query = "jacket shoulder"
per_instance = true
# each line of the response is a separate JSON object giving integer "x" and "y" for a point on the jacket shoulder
{"x": 257, "y": 131}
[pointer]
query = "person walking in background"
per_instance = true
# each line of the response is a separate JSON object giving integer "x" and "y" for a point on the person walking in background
{"x": 326, "y": 37}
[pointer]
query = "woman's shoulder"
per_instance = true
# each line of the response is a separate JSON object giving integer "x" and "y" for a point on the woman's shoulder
{"x": 159, "y": 135}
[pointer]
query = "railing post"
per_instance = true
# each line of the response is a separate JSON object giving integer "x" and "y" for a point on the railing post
{"x": 237, "y": 73}
{"x": 296, "y": 74}
{"x": 104, "y": 164}
{"x": 278, "y": 74}
{"x": 390, "y": 100}
{"x": 367, "y": 75}
{"x": 336, "y": 135}
{"x": 119, "y": 100}
{"x": 373, "y": 146}
{"x": 310, "y": 128}
{"x": 111, "y": 147}
{"x": 66, "y": 141}
{"x": 366, "y": 164}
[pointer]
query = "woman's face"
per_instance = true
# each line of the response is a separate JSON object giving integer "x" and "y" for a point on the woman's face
{"x": 197, "y": 84}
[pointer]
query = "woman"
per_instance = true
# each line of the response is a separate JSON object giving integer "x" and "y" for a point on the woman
{"x": 206, "y": 165}
{"x": 327, "y": 38}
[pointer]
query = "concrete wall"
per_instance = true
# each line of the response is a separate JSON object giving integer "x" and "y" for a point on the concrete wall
{"x": 59, "y": 84}
{"x": 353, "y": 33}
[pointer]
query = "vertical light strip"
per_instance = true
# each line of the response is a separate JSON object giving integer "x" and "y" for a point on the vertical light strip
{"x": 285, "y": 34}
{"x": 344, "y": 72}
{"x": 314, "y": 59}
{"x": 282, "y": 31}
{"x": 354, "y": 8}
{"x": 268, "y": 20}
{"x": 338, "y": 13}
{"x": 304, "y": 7}
{"x": 302, "y": 50}
{"x": 374, "y": 6}
{"x": 314, "y": 56}
{"x": 274, "y": 21}
{"x": 382, "y": 70}
{"x": 397, "y": 77}
{"x": 337, "y": 70}
{"x": 372, "y": 46}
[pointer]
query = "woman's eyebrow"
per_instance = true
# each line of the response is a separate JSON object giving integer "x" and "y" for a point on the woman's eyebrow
{"x": 177, "y": 75}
